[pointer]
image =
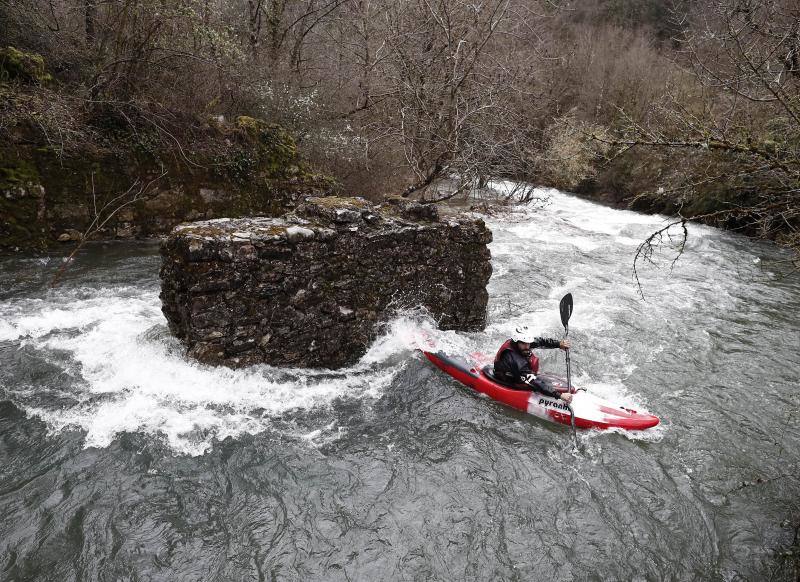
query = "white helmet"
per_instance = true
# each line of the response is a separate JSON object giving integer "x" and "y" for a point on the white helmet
{"x": 524, "y": 334}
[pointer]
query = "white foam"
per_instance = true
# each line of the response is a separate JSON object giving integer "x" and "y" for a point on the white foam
{"x": 34, "y": 318}
{"x": 627, "y": 241}
{"x": 8, "y": 332}
{"x": 651, "y": 435}
{"x": 135, "y": 377}
{"x": 547, "y": 236}
{"x": 402, "y": 334}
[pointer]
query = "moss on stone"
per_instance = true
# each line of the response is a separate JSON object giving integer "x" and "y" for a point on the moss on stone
{"x": 274, "y": 230}
{"x": 210, "y": 229}
{"x": 17, "y": 172}
{"x": 21, "y": 202}
{"x": 253, "y": 286}
{"x": 202, "y": 231}
{"x": 275, "y": 148}
{"x": 26, "y": 67}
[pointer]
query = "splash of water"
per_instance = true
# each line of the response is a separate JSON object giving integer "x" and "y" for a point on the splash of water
{"x": 126, "y": 373}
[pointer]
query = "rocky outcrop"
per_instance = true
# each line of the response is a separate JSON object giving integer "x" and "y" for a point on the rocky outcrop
{"x": 307, "y": 289}
{"x": 133, "y": 186}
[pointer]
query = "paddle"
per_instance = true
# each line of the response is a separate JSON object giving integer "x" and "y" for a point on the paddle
{"x": 565, "y": 307}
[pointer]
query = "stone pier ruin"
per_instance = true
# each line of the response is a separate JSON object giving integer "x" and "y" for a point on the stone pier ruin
{"x": 309, "y": 288}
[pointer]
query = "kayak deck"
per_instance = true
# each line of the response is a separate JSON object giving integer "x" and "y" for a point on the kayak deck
{"x": 590, "y": 411}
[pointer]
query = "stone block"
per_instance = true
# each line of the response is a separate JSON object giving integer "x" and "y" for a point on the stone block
{"x": 308, "y": 289}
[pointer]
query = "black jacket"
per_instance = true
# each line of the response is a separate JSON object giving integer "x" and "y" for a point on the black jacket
{"x": 512, "y": 366}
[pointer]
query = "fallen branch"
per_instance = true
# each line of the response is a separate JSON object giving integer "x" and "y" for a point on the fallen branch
{"x": 137, "y": 191}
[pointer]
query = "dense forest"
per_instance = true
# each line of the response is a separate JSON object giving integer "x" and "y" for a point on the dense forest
{"x": 690, "y": 108}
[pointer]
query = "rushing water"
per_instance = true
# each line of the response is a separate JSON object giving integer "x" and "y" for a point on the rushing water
{"x": 122, "y": 460}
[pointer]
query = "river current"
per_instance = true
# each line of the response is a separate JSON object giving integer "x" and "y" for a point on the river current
{"x": 122, "y": 460}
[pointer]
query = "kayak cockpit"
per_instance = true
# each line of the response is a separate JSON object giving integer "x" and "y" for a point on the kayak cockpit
{"x": 488, "y": 371}
{"x": 553, "y": 381}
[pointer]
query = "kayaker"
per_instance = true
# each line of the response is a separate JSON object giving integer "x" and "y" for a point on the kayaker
{"x": 516, "y": 365}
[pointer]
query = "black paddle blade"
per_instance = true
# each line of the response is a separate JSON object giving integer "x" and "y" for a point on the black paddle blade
{"x": 566, "y": 308}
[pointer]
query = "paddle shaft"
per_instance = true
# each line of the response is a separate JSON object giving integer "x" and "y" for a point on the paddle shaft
{"x": 569, "y": 388}
{"x": 566, "y": 352}
{"x": 565, "y": 309}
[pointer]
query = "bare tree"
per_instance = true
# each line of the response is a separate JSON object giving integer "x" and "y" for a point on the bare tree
{"x": 90, "y": 15}
{"x": 437, "y": 84}
{"x": 733, "y": 132}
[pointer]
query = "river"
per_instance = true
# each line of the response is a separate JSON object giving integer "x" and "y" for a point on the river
{"x": 122, "y": 460}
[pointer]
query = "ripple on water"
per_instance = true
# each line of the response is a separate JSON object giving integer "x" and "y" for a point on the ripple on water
{"x": 390, "y": 470}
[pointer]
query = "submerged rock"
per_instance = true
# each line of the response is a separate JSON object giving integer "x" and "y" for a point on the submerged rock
{"x": 308, "y": 289}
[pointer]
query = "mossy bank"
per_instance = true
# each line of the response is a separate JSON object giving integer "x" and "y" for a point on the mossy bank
{"x": 69, "y": 167}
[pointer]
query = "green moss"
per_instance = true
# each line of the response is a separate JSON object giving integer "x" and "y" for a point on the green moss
{"x": 17, "y": 172}
{"x": 204, "y": 231}
{"x": 240, "y": 166}
{"x": 254, "y": 165}
{"x": 273, "y": 230}
{"x": 148, "y": 145}
{"x": 249, "y": 124}
{"x": 20, "y": 202}
{"x": 264, "y": 154}
{"x": 275, "y": 148}
{"x": 325, "y": 182}
{"x": 26, "y": 67}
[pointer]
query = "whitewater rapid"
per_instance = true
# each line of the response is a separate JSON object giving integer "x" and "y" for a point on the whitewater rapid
{"x": 123, "y": 372}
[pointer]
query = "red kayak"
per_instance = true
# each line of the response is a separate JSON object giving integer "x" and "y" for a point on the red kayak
{"x": 590, "y": 411}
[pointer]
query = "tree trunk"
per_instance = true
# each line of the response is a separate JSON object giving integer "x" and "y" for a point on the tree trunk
{"x": 255, "y": 10}
{"x": 90, "y": 19}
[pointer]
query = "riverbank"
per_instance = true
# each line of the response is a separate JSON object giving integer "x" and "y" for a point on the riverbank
{"x": 72, "y": 168}
{"x": 712, "y": 209}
